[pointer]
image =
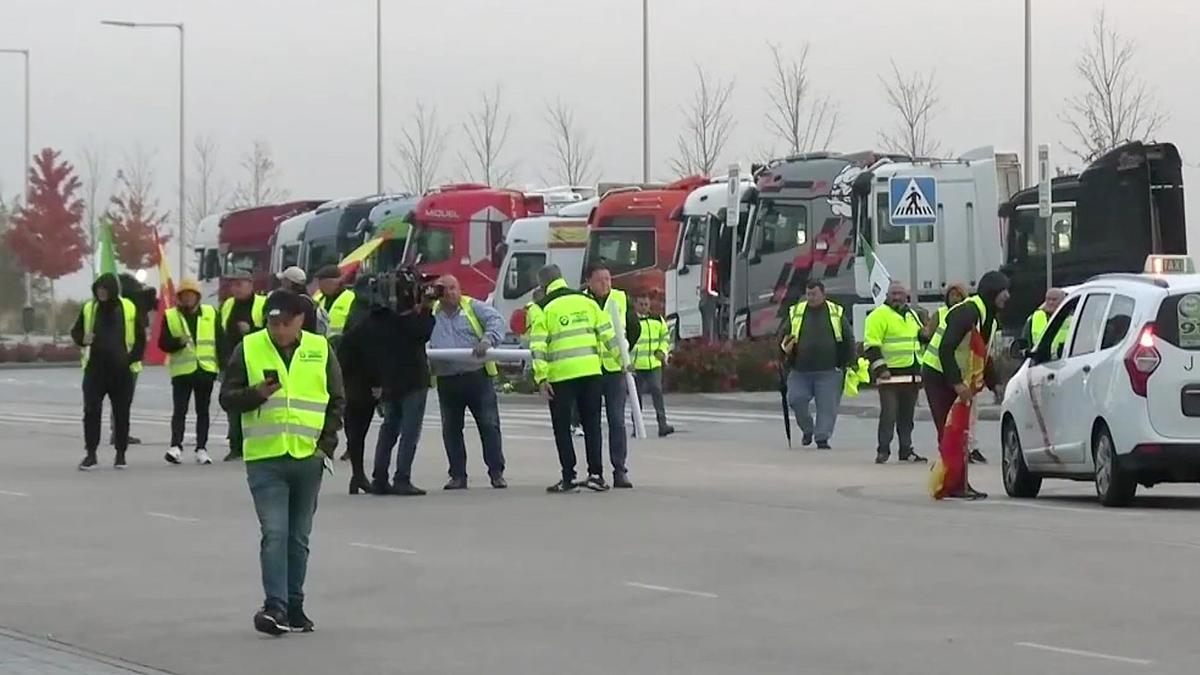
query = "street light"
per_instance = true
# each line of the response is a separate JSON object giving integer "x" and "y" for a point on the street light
{"x": 28, "y": 314}
{"x": 645, "y": 91}
{"x": 1028, "y": 92}
{"x": 379, "y": 96}
{"x": 182, "y": 141}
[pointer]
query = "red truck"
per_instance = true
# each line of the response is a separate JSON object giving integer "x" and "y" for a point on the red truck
{"x": 245, "y": 239}
{"x": 459, "y": 229}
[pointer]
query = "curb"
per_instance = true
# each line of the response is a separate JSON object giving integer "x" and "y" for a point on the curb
{"x": 39, "y": 365}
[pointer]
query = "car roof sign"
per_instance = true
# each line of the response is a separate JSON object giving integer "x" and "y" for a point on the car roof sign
{"x": 1169, "y": 264}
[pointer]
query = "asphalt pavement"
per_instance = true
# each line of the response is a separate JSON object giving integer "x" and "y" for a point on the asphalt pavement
{"x": 733, "y": 554}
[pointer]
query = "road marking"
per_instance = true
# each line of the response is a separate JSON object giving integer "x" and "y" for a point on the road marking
{"x": 663, "y": 458}
{"x": 386, "y": 549}
{"x": 1050, "y": 507}
{"x": 751, "y": 465}
{"x": 168, "y": 516}
{"x": 1081, "y": 652}
{"x": 9, "y": 493}
{"x": 668, "y": 589}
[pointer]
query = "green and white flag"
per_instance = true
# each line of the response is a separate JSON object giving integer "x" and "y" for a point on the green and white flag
{"x": 877, "y": 274}
{"x": 106, "y": 262}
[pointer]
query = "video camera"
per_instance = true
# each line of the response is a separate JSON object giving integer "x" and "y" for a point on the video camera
{"x": 403, "y": 289}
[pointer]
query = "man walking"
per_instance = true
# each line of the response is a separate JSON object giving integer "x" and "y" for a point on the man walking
{"x": 107, "y": 330}
{"x": 242, "y": 313}
{"x": 570, "y": 337}
{"x": 333, "y": 297}
{"x": 600, "y": 289}
{"x": 464, "y": 322}
{"x": 286, "y": 385}
{"x": 649, "y": 355}
{"x": 189, "y": 338}
{"x": 893, "y": 348}
{"x": 819, "y": 347}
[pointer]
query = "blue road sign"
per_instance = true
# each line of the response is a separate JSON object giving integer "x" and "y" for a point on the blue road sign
{"x": 913, "y": 201}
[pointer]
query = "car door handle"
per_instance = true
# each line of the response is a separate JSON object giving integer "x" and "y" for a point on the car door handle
{"x": 1050, "y": 377}
{"x": 1087, "y": 369}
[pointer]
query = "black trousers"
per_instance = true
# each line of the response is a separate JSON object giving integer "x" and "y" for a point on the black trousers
{"x": 117, "y": 385}
{"x": 897, "y": 408}
{"x": 198, "y": 385}
{"x": 941, "y": 397}
{"x": 360, "y": 410}
{"x": 582, "y": 395}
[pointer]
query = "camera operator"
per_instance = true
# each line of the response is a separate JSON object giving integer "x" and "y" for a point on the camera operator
{"x": 386, "y": 351}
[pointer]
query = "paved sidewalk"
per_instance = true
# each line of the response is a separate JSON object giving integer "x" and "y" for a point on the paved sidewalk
{"x": 23, "y": 655}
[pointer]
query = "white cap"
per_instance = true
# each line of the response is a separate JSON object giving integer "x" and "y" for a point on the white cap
{"x": 293, "y": 275}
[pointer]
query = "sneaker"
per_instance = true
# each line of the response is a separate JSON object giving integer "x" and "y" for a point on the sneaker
{"x": 299, "y": 622}
{"x": 596, "y": 483}
{"x": 806, "y": 440}
{"x": 621, "y": 480}
{"x": 563, "y": 487}
{"x": 134, "y": 440}
{"x": 89, "y": 462}
{"x": 913, "y": 458}
{"x": 823, "y": 445}
{"x": 578, "y": 431}
{"x": 499, "y": 483}
{"x": 233, "y": 456}
{"x": 881, "y": 456}
{"x": 272, "y": 621}
{"x": 174, "y": 453}
{"x": 455, "y": 484}
{"x": 202, "y": 457}
{"x": 665, "y": 430}
{"x": 976, "y": 457}
{"x": 119, "y": 462}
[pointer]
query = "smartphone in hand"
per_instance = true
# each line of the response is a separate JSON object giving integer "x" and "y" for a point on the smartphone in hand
{"x": 271, "y": 376}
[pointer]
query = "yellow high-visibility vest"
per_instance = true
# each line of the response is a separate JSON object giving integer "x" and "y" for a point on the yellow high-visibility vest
{"x": 200, "y": 350}
{"x": 466, "y": 306}
{"x": 290, "y": 422}
{"x": 796, "y": 316}
{"x": 653, "y": 339}
{"x": 570, "y": 337}
{"x": 129, "y": 313}
{"x": 257, "y": 314}
{"x": 962, "y": 351}
{"x": 612, "y": 362}
{"x": 339, "y": 311}
{"x": 896, "y": 335}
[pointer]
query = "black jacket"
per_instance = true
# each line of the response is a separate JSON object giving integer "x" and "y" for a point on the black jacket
{"x": 108, "y": 351}
{"x": 633, "y": 327}
{"x": 228, "y": 335}
{"x": 387, "y": 350}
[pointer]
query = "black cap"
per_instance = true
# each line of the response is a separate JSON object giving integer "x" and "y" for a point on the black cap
{"x": 329, "y": 272}
{"x": 285, "y": 304}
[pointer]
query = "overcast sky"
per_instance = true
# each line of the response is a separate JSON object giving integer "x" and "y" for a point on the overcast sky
{"x": 299, "y": 74}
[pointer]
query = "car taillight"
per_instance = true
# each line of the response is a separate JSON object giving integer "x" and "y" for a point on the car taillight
{"x": 1142, "y": 360}
{"x": 710, "y": 277}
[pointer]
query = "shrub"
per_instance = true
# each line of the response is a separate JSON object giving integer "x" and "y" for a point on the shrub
{"x": 58, "y": 353}
{"x": 24, "y": 353}
{"x": 699, "y": 366}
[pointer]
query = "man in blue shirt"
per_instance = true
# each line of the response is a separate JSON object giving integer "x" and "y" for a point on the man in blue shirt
{"x": 466, "y": 323}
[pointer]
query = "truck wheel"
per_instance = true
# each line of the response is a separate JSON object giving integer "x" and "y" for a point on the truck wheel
{"x": 1114, "y": 486}
{"x": 1018, "y": 481}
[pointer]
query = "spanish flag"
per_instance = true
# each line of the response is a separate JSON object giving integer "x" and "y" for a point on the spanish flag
{"x": 949, "y": 473}
{"x": 166, "y": 300}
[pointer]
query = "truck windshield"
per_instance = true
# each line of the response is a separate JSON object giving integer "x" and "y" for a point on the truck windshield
{"x": 784, "y": 225}
{"x": 321, "y": 252}
{"x": 430, "y": 245}
{"x": 624, "y": 250}
{"x": 695, "y": 240}
{"x": 521, "y": 276}
{"x": 289, "y": 255}
{"x": 249, "y": 262}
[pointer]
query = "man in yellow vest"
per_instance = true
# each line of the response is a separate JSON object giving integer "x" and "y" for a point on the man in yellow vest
{"x": 600, "y": 289}
{"x": 465, "y": 323}
{"x": 334, "y": 298}
{"x": 1035, "y": 326}
{"x": 287, "y": 386}
{"x": 242, "y": 313}
{"x": 819, "y": 346}
{"x": 649, "y": 356}
{"x": 189, "y": 336}
{"x": 569, "y": 339}
{"x": 893, "y": 349}
{"x": 112, "y": 341}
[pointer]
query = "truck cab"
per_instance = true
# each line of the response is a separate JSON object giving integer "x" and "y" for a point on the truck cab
{"x": 390, "y": 218}
{"x": 287, "y": 247}
{"x": 246, "y": 235}
{"x": 207, "y": 249}
{"x": 701, "y": 284}
{"x": 460, "y": 230}
{"x": 639, "y": 234}
{"x": 337, "y": 229}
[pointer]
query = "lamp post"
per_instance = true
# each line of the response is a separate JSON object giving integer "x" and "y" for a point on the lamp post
{"x": 1029, "y": 92}
{"x": 28, "y": 309}
{"x": 379, "y": 96}
{"x": 182, "y": 185}
{"x": 645, "y": 91}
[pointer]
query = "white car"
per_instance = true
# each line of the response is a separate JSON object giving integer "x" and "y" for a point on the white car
{"x": 1118, "y": 402}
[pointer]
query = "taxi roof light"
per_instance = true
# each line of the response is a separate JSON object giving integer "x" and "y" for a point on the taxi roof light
{"x": 1169, "y": 264}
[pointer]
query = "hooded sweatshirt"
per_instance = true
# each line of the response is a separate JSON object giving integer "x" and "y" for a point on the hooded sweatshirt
{"x": 962, "y": 319}
{"x": 108, "y": 353}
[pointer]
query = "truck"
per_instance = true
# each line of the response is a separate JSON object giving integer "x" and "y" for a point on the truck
{"x": 1125, "y": 206}
{"x": 534, "y": 242}
{"x": 245, "y": 239}
{"x": 207, "y": 249}
{"x": 460, "y": 229}
{"x": 966, "y": 241}
{"x": 336, "y": 229}
{"x": 391, "y": 219}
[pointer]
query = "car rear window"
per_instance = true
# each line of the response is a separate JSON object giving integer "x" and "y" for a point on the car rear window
{"x": 1178, "y": 321}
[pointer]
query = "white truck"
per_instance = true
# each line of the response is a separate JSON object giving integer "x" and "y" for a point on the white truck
{"x": 965, "y": 242}
{"x": 208, "y": 261}
{"x": 692, "y": 285}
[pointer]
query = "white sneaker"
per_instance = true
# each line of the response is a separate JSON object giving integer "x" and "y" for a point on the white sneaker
{"x": 202, "y": 456}
{"x": 577, "y": 431}
{"x": 173, "y": 454}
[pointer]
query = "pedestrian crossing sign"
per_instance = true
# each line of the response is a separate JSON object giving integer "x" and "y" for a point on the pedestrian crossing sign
{"x": 913, "y": 201}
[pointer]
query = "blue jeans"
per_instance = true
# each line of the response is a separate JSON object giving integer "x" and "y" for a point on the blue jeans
{"x": 826, "y": 387}
{"x": 457, "y": 394}
{"x": 615, "y": 392}
{"x": 285, "y": 497}
{"x": 402, "y": 419}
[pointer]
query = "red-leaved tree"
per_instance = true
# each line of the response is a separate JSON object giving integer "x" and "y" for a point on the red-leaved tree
{"x": 135, "y": 217}
{"x": 47, "y": 235}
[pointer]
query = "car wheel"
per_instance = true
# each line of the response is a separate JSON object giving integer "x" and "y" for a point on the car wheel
{"x": 1018, "y": 481}
{"x": 1114, "y": 486}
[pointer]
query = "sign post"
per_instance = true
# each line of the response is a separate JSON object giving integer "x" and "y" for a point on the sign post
{"x": 1046, "y": 209}
{"x": 913, "y": 205}
{"x": 733, "y": 212}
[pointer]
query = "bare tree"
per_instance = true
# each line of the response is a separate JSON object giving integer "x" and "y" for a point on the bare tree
{"x": 420, "y": 150}
{"x": 487, "y": 130}
{"x": 1116, "y": 106}
{"x": 707, "y": 125}
{"x": 258, "y": 186}
{"x": 573, "y": 154}
{"x": 209, "y": 193}
{"x": 801, "y": 119}
{"x": 96, "y": 178}
{"x": 915, "y": 99}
